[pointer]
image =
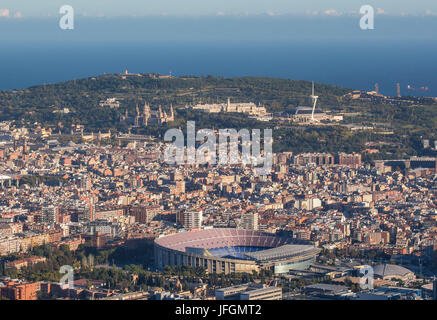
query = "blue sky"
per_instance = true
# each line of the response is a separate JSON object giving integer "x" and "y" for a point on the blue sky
{"x": 109, "y": 8}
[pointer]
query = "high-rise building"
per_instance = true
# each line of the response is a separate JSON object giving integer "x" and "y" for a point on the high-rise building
{"x": 425, "y": 143}
{"x": 50, "y": 215}
{"x": 192, "y": 219}
{"x": 85, "y": 183}
{"x": 350, "y": 160}
{"x": 249, "y": 221}
{"x": 144, "y": 214}
{"x": 90, "y": 210}
{"x": 179, "y": 187}
{"x": 319, "y": 159}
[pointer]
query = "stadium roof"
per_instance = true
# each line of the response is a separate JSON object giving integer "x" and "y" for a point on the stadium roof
{"x": 390, "y": 270}
{"x": 282, "y": 252}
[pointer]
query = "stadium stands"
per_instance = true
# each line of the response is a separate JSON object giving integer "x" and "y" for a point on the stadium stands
{"x": 233, "y": 250}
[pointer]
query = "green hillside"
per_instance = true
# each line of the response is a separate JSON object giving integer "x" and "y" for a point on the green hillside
{"x": 397, "y": 129}
{"x": 36, "y": 104}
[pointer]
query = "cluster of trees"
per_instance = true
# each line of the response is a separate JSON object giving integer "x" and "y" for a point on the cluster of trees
{"x": 87, "y": 262}
{"x": 48, "y": 271}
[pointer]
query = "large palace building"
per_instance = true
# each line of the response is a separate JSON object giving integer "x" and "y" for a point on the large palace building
{"x": 249, "y": 108}
{"x": 148, "y": 116}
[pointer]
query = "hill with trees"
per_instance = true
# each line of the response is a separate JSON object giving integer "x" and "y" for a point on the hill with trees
{"x": 398, "y": 129}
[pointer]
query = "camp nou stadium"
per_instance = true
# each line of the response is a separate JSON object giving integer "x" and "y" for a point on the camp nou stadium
{"x": 226, "y": 250}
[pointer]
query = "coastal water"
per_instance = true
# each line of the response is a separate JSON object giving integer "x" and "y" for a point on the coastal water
{"x": 38, "y": 52}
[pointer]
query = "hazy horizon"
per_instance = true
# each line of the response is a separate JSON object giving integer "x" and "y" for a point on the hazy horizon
{"x": 29, "y": 8}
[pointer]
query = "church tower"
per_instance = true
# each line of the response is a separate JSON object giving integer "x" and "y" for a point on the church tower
{"x": 171, "y": 113}
{"x": 160, "y": 115}
{"x": 137, "y": 116}
{"x": 126, "y": 115}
